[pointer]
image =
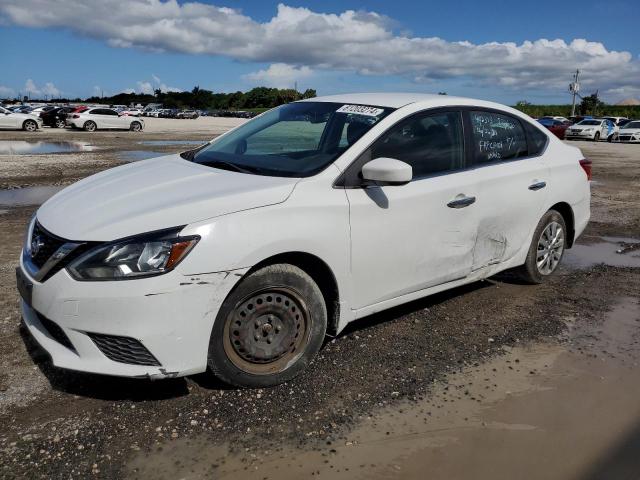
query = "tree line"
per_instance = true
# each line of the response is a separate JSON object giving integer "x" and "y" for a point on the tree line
{"x": 590, "y": 105}
{"x": 201, "y": 99}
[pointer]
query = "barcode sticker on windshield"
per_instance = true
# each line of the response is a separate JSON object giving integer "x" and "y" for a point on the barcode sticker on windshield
{"x": 360, "y": 110}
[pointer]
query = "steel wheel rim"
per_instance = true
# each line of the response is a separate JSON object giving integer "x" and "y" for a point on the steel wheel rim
{"x": 550, "y": 248}
{"x": 30, "y": 126}
{"x": 267, "y": 331}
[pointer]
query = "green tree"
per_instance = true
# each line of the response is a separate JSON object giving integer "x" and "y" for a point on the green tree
{"x": 591, "y": 105}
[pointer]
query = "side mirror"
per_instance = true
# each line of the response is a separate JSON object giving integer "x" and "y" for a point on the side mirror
{"x": 387, "y": 171}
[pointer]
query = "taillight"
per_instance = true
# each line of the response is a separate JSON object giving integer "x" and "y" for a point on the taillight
{"x": 76, "y": 116}
{"x": 586, "y": 166}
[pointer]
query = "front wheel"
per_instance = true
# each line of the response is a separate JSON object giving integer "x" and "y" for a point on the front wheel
{"x": 546, "y": 249}
{"x": 269, "y": 328}
{"x": 135, "y": 126}
{"x": 596, "y": 137}
{"x": 29, "y": 126}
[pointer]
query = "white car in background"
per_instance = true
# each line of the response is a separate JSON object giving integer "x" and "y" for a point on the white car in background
{"x": 104, "y": 119}
{"x": 133, "y": 112}
{"x": 19, "y": 121}
{"x": 630, "y": 132}
{"x": 595, "y": 129}
{"x": 241, "y": 255}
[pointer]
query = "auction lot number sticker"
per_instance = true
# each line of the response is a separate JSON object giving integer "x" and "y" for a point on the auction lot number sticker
{"x": 360, "y": 110}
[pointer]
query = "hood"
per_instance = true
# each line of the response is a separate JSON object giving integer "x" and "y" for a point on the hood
{"x": 154, "y": 194}
{"x": 584, "y": 127}
{"x": 629, "y": 131}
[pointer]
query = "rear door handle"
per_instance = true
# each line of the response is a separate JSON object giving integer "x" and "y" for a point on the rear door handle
{"x": 461, "y": 202}
{"x": 537, "y": 185}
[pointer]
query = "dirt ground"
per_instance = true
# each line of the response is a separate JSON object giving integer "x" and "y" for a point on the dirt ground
{"x": 493, "y": 380}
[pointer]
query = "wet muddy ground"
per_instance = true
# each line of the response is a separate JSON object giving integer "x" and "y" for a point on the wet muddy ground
{"x": 492, "y": 380}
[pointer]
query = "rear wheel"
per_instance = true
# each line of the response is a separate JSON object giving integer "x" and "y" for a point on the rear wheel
{"x": 269, "y": 328}
{"x": 59, "y": 123}
{"x": 135, "y": 126}
{"x": 90, "y": 126}
{"x": 546, "y": 250}
{"x": 30, "y": 126}
{"x": 596, "y": 137}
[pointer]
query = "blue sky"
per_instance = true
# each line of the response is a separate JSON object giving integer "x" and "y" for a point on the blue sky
{"x": 79, "y": 49}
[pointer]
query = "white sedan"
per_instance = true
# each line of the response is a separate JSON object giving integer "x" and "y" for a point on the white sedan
{"x": 595, "y": 129}
{"x": 630, "y": 132}
{"x": 104, "y": 118}
{"x": 241, "y": 255}
{"x": 19, "y": 121}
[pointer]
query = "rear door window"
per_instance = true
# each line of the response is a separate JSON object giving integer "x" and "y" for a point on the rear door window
{"x": 496, "y": 137}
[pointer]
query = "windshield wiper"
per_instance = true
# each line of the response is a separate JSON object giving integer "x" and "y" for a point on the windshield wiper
{"x": 231, "y": 166}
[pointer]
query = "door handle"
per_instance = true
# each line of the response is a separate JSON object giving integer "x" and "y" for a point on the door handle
{"x": 461, "y": 202}
{"x": 537, "y": 185}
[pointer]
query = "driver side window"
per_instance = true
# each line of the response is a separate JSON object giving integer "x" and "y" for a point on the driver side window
{"x": 430, "y": 143}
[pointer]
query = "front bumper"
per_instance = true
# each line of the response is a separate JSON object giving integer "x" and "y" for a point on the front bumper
{"x": 628, "y": 139}
{"x": 171, "y": 316}
{"x": 580, "y": 134}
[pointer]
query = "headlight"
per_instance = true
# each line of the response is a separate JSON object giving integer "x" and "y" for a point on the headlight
{"x": 588, "y": 130}
{"x": 135, "y": 257}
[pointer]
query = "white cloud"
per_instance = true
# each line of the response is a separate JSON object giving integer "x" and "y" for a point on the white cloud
{"x": 128, "y": 90}
{"x": 149, "y": 87}
{"x": 145, "y": 87}
{"x": 6, "y": 92}
{"x": 279, "y": 75}
{"x": 49, "y": 89}
{"x": 358, "y": 41}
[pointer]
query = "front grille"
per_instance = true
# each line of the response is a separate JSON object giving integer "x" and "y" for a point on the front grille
{"x": 56, "y": 332}
{"x": 123, "y": 349}
{"x": 48, "y": 245}
{"x": 625, "y": 138}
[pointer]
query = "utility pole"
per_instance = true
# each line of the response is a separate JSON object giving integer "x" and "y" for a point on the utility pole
{"x": 574, "y": 88}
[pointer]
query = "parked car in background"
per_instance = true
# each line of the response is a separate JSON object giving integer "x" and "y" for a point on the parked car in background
{"x": 192, "y": 114}
{"x": 595, "y": 129}
{"x": 104, "y": 119}
{"x": 556, "y": 127}
{"x": 617, "y": 120}
{"x": 630, "y": 132}
{"x": 44, "y": 108}
{"x": 240, "y": 256}
{"x": 132, "y": 112}
{"x": 19, "y": 121}
{"x": 55, "y": 117}
{"x": 551, "y": 117}
{"x": 622, "y": 123}
{"x": 76, "y": 109}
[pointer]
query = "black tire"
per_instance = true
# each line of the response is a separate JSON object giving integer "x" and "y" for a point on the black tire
{"x": 244, "y": 352}
{"x": 529, "y": 272}
{"x": 596, "y": 137}
{"x": 59, "y": 123}
{"x": 90, "y": 126}
{"x": 135, "y": 127}
{"x": 30, "y": 126}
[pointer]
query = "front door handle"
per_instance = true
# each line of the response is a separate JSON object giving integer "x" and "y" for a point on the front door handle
{"x": 537, "y": 185}
{"x": 461, "y": 201}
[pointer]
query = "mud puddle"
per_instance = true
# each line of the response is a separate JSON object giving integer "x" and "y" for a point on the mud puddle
{"x": 18, "y": 147}
{"x": 18, "y": 197}
{"x": 173, "y": 142}
{"x": 554, "y": 411}
{"x": 612, "y": 251}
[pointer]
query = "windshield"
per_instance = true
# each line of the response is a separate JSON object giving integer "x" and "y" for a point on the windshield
{"x": 590, "y": 122}
{"x": 293, "y": 140}
{"x": 632, "y": 125}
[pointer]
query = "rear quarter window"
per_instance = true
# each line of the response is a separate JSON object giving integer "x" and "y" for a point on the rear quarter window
{"x": 537, "y": 139}
{"x": 497, "y": 137}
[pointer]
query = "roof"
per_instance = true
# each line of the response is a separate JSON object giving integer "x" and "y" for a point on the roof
{"x": 393, "y": 100}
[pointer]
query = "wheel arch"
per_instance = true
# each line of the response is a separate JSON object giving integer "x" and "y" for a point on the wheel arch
{"x": 29, "y": 120}
{"x": 319, "y": 271}
{"x": 564, "y": 209}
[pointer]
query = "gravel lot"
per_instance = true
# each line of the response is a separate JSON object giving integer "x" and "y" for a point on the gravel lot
{"x": 485, "y": 381}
